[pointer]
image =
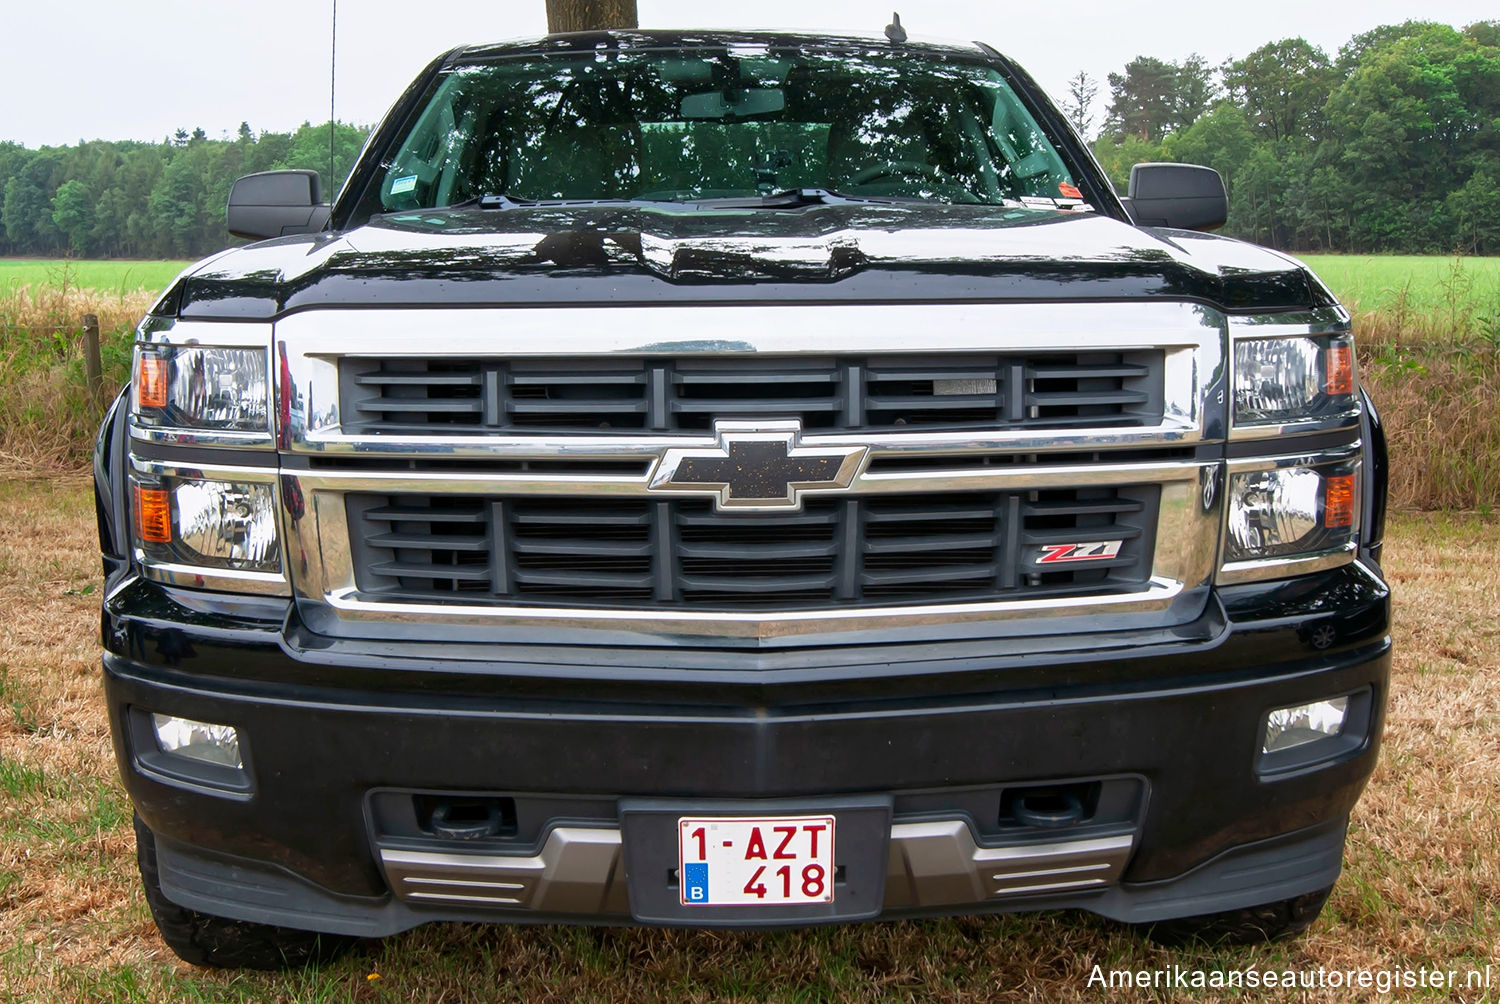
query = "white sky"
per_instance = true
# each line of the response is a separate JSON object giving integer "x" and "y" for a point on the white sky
{"x": 103, "y": 69}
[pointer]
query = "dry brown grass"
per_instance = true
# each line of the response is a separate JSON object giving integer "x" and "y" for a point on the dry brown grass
{"x": 1421, "y": 886}
{"x": 1439, "y": 395}
{"x": 47, "y": 420}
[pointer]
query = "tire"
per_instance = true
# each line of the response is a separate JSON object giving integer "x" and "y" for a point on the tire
{"x": 220, "y": 943}
{"x": 1250, "y": 926}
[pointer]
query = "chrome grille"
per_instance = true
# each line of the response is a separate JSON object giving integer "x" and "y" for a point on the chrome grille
{"x": 641, "y": 553}
{"x": 475, "y": 396}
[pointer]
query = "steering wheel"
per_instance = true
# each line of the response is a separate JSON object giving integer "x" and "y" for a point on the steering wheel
{"x": 895, "y": 168}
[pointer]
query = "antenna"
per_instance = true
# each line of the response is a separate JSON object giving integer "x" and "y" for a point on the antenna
{"x": 894, "y": 31}
{"x": 333, "y": 51}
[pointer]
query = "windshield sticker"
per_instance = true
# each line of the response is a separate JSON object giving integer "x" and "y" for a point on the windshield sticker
{"x": 1069, "y": 191}
{"x": 403, "y": 185}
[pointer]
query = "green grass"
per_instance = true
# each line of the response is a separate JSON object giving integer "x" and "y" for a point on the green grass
{"x": 106, "y": 276}
{"x": 1417, "y": 284}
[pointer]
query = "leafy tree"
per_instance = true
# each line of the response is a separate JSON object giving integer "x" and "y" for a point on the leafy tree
{"x": 1142, "y": 99}
{"x": 73, "y": 214}
{"x": 1078, "y": 105}
{"x": 1152, "y": 98}
{"x": 1282, "y": 86}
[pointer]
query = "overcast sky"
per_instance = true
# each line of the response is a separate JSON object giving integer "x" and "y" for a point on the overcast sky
{"x": 103, "y": 69}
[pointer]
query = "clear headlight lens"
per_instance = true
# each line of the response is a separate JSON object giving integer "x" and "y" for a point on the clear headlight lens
{"x": 1282, "y": 380}
{"x": 215, "y": 524}
{"x": 1289, "y": 511}
{"x": 195, "y": 387}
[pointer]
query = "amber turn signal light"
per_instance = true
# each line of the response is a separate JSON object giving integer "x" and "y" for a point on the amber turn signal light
{"x": 151, "y": 382}
{"x": 153, "y": 515}
{"x": 1338, "y": 501}
{"x": 1340, "y": 370}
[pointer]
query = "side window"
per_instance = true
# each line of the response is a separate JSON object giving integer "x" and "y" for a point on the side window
{"x": 425, "y": 169}
{"x": 1032, "y": 160}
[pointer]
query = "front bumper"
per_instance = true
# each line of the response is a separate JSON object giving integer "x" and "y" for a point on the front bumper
{"x": 1166, "y": 726}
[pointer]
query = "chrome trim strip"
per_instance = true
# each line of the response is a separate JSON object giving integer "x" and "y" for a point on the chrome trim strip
{"x": 227, "y": 580}
{"x": 939, "y": 864}
{"x": 221, "y": 334}
{"x": 1345, "y": 420}
{"x": 176, "y": 436}
{"x": 614, "y": 486}
{"x": 1284, "y": 568}
{"x": 1186, "y": 551}
{"x": 309, "y": 345}
{"x": 202, "y": 472}
{"x": 1157, "y": 596}
{"x": 578, "y": 870}
{"x": 1336, "y": 455}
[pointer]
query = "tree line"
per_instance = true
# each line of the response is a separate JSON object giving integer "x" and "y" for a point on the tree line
{"x": 1391, "y": 144}
{"x": 129, "y": 199}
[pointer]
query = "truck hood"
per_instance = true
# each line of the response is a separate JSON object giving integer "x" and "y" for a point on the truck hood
{"x": 652, "y": 253}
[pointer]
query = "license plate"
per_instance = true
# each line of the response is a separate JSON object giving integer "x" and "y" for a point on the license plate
{"x": 745, "y": 861}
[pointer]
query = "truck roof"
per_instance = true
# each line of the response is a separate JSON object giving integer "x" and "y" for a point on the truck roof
{"x": 646, "y": 39}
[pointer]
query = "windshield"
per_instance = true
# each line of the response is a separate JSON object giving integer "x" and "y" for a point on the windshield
{"x": 693, "y": 124}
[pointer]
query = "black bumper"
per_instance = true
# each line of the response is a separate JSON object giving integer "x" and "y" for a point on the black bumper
{"x": 1178, "y": 715}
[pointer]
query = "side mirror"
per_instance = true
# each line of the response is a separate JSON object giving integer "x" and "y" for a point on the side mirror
{"x": 1184, "y": 196}
{"x": 276, "y": 203}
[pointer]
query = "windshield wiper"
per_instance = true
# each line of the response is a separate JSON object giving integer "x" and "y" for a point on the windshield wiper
{"x": 787, "y": 198}
{"x": 793, "y": 197}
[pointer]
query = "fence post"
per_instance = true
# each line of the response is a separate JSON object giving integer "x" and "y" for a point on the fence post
{"x": 93, "y": 367}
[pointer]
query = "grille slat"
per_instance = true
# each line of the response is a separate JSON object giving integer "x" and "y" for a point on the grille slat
{"x": 396, "y": 405}
{"x": 680, "y": 553}
{"x": 422, "y": 570}
{"x": 417, "y": 541}
{"x": 478, "y": 396}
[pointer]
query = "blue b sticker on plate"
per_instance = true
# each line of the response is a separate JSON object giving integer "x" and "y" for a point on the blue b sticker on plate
{"x": 695, "y": 883}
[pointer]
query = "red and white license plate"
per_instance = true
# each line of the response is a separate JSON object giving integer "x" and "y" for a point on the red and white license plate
{"x": 748, "y": 861}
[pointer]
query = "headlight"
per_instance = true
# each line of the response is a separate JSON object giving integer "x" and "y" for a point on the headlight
{"x": 208, "y": 524}
{"x": 1279, "y": 381}
{"x": 198, "y": 388}
{"x": 1289, "y": 513}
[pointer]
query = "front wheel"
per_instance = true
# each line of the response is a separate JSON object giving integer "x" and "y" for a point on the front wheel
{"x": 218, "y": 942}
{"x": 1250, "y": 926}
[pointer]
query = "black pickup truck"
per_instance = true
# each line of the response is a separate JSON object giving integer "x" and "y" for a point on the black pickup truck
{"x": 738, "y": 479}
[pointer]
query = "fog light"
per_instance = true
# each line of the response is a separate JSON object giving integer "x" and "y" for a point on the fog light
{"x": 218, "y": 744}
{"x": 1288, "y": 728}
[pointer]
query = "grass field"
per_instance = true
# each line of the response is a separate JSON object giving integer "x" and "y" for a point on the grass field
{"x": 1421, "y": 885}
{"x": 113, "y": 277}
{"x": 1419, "y": 285}
{"x": 1363, "y": 282}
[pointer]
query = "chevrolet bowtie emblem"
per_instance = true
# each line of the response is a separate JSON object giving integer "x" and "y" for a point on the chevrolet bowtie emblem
{"x": 758, "y": 465}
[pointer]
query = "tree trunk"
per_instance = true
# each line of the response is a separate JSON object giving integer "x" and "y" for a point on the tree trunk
{"x": 590, "y": 15}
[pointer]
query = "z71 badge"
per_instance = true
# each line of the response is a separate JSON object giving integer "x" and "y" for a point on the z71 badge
{"x": 1094, "y": 550}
